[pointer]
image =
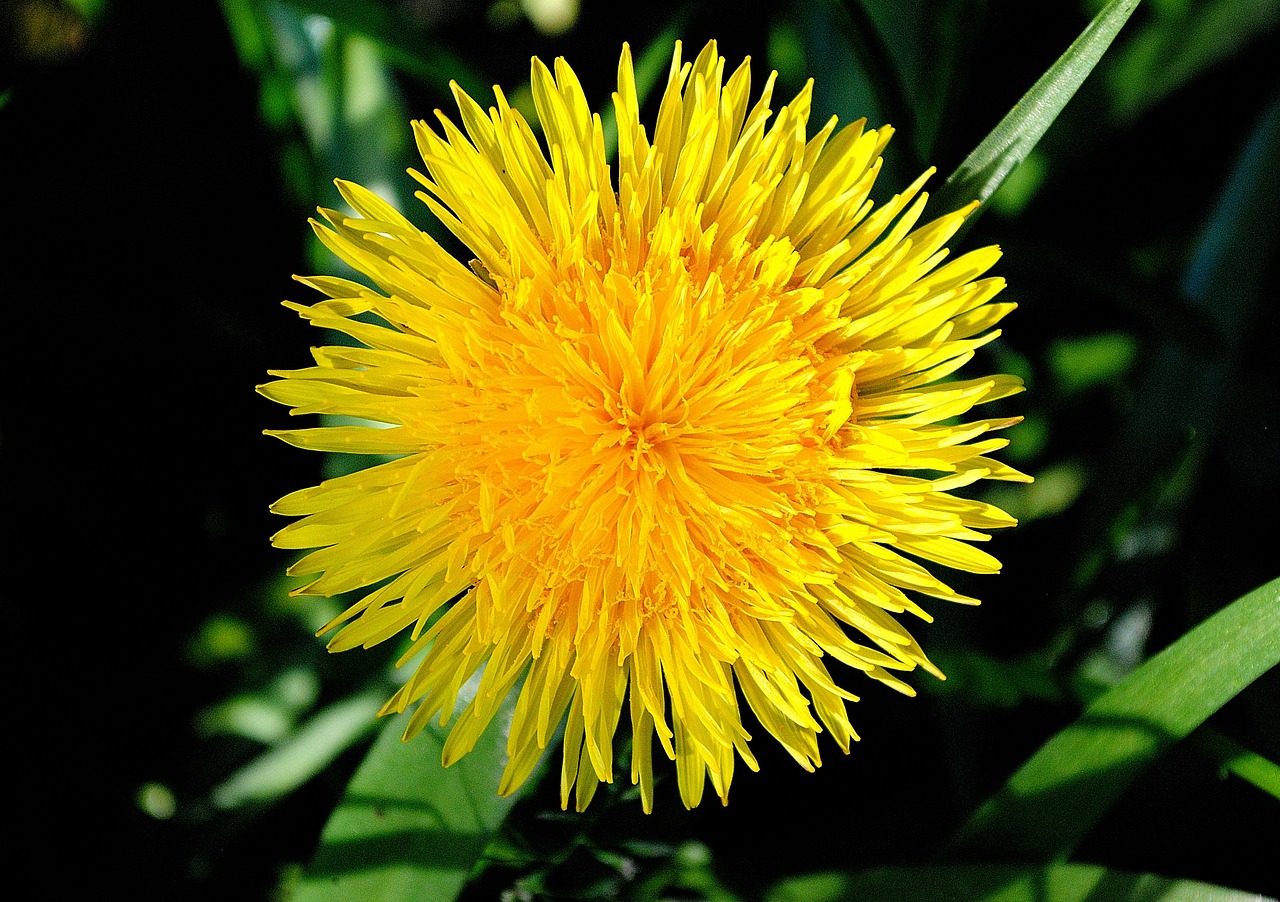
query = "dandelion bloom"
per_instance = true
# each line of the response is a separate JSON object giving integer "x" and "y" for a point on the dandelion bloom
{"x": 674, "y": 434}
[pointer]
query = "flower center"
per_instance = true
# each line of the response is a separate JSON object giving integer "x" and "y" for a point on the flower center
{"x": 639, "y": 434}
{"x": 650, "y": 423}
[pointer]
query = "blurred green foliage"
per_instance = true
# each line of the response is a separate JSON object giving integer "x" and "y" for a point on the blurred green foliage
{"x": 1139, "y": 236}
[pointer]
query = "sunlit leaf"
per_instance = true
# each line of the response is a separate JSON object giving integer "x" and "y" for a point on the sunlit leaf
{"x": 408, "y": 828}
{"x": 1060, "y": 793}
{"x": 157, "y": 800}
{"x": 267, "y": 716}
{"x": 551, "y": 17}
{"x": 1001, "y": 883}
{"x": 221, "y": 638}
{"x": 1008, "y": 144}
{"x": 830, "y": 886}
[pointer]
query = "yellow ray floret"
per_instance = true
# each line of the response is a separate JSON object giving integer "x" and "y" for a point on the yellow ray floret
{"x": 680, "y": 435}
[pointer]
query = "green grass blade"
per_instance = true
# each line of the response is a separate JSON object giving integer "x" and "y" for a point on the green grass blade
{"x": 1064, "y": 789}
{"x": 406, "y": 827}
{"x": 1234, "y": 758}
{"x": 1001, "y": 883}
{"x": 1262, "y": 772}
{"x": 1008, "y": 144}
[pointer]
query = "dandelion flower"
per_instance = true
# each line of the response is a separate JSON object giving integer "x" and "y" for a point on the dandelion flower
{"x": 679, "y": 435}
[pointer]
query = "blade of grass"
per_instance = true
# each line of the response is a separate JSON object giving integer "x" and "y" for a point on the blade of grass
{"x": 1059, "y": 794}
{"x": 1008, "y": 144}
{"x": 1234, "y": 758}
{"x": 1000, "y": 883}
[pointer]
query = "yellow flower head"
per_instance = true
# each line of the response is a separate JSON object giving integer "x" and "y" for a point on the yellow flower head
{"x": 647, "y": 446}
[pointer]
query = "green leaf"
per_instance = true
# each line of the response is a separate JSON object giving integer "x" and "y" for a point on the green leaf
{"x": 1253, "y": 768}
{"x": 1236, "y": 248}
{"x": 988, "y": 682}
{"x": 408, "y": 828}
{"x": 881, "y": 39}
{"x": 1064, "y": 789}
{"x": 1008, "y": 144}
{"x": 268, "y": 715}
{"x": 1001, "y": 883}
{"x": 1234, "y": 758}
{"x": 297, "y": 759}
{"x": 92, "y": 10}
{"x": 1057, "y": 487}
